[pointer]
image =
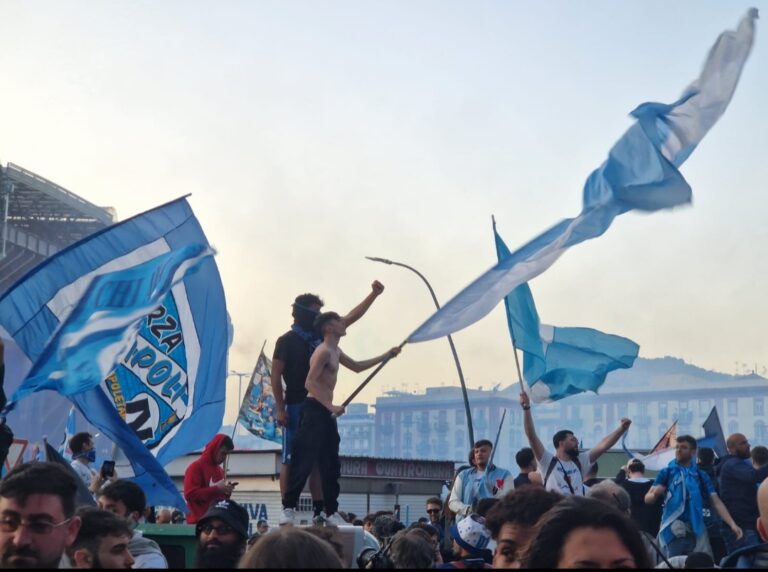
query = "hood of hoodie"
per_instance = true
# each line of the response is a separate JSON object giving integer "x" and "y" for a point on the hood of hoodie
{"x": 213, "y": 446}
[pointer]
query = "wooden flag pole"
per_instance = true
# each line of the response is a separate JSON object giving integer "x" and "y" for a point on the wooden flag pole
{"x": 360, "y": 387}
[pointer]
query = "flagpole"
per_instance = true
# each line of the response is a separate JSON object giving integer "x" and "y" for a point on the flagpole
{"x": 360, "y": 387}
{"x": 512, "y": 335}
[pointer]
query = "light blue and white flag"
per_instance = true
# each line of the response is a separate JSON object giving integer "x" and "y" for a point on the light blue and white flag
{"x": 558, "y": 362}
{"x": 166, "y": 395}
{"x": 69, "y": 432}
{"x": 85, "y": 348}
{"x": 641, "y": 173}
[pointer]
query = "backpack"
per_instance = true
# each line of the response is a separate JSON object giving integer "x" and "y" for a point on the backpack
{"x": 551, "y": 468}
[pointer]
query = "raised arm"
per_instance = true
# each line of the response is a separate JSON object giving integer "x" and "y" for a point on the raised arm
{"x": 530, "y": 430}
{"x": 609, "y": 440}
{"x": 358, "y": 366}
{"x": 276, "y": 381}
{"x": 654, "y": 494}
{"x": 357, "y": 312}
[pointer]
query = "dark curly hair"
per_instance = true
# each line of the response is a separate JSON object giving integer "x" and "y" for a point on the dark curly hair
{"x": 523, "y": 506}
{"x": 546, "y": 547}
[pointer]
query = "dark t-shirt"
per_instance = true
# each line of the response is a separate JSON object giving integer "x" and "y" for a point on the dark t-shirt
{"x": 294, "y": 352}
{"x": 522, "y": 479}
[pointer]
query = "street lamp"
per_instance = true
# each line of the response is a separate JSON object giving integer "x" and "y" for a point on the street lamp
{"x": 450, "y": 343}
{"x": 240, "y": 376}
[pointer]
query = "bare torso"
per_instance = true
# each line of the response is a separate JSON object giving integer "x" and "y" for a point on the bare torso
{"x": 323, "y": 373}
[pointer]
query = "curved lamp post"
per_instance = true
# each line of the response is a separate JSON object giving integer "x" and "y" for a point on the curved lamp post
{"x": 240, "y": 376}
{"x": 450, "y": 343}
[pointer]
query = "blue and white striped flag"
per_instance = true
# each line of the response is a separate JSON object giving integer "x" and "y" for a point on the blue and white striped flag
{"x": 69, "y": 432}
{"x": 558, "y": 362}
{"x": 641, "y": 173}
{"x": 165, "y": 395}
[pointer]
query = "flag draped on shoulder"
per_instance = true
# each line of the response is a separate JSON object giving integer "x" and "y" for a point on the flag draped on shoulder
{"x": 258, "y": 413}
{"x": 641, "y": 173}
{"x": 164, "y": 394}
{"x": 558, "y": 362}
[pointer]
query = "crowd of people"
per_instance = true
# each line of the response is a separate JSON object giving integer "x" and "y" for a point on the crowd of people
{"x": 697, "y": 512}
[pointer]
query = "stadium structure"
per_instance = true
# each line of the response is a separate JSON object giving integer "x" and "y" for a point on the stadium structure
{"x": 38, "y": 219}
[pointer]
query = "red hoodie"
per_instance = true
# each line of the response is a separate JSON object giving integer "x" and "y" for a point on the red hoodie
{"x": 199, "y": 478}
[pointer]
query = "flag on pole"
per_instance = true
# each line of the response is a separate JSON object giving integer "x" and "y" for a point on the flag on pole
{"x": 70, "y": 431}
{"x": 166, "y": 395}
{"x": 713, "y": 431}
{"x": 258, "y": 412}
{"x": 558, "y": 362}
{"x": 641, "y": 173}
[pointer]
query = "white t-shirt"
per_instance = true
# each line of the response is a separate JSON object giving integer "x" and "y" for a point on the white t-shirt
{"x": 84, "y": 472}
{"x": 556, "y": 481}
{"x": 478, "y": 483}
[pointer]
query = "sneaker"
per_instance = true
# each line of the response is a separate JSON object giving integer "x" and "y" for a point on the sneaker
{"x": 335, "y": 520}
{"x": 320, "y": 519}
{"x": 288, "y": 516}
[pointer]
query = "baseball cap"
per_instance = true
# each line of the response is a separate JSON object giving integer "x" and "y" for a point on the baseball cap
{"x": 230, "y": 512}
{"x": 470, "y": 533}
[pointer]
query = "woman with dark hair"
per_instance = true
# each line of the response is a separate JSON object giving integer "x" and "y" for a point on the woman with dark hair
{"x": 585, "y": 533}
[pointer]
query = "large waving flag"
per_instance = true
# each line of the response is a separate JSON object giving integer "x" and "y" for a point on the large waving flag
{"x": 166, "y": 395}
{"x": 641, "y": 173}
{"x": 558, "y": 362}
{"x": 69, "y": 432}
{"x": 258, "y": 413}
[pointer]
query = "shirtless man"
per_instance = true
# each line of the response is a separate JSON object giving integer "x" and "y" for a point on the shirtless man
{"x": 317, "y": 440}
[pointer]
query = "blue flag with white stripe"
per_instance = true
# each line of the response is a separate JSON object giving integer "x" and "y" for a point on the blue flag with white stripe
{"x": 166, "y": 394}
{"x": 641, "y": 173}
{"x": 558, "y": 362}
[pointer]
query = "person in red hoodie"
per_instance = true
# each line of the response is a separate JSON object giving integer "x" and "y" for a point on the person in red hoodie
{"x": 204, "y": 480}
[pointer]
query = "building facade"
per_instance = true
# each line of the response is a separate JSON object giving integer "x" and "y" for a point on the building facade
{"x": 654, "y": 393}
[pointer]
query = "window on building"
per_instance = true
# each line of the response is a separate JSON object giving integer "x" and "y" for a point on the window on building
{"x": 408, "y": 419}
{"x": 761, "y": 432}
{"x": 663, "y": 414}
{"x": 442, "y": 416}
{"x": 733, "y": 407}
{"x": 622, "y": 410}
{"x": 682, "y": 405}
{"x": 759, "y": 406}
{"x": 304, "y": 504}
{"x": 461, "y": 418}
{"x": 598, "y": 413}
{"x": 662, "y": 429}
{"x": 704, "y": 406}
{"x": 407, "y": 440}
{"x": 733, "y": 427}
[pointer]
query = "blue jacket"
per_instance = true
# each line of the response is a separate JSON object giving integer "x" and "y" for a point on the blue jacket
{"x": 497, "y": 483}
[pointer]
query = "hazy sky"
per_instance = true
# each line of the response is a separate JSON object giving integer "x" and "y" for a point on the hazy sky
{"x": 312, "y": 134}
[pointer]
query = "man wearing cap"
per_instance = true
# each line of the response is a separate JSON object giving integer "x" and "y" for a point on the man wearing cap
{"x": 290, "y": 364}
{"x": 470, "y": 542}
{"x": 221, "y": 535}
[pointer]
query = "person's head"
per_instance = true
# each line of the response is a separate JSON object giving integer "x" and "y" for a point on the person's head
{"x": 306, "y": 307}
{"x": 81, "y": 445}
{"x": 291, "y": 547}
{"x": 368, "y": 521}
{"x": 412, "y": 550}
{"x": 262, "y": 527}
{"x": 581, "y": 532}
{"x": 705, "y": 457}
{"x": 163, "y": 516}
{"x": 102, "y": 541}
{"x": 434, "y": 508}
{"x": 330, "y": 324}
{"x": 470, "y": 537}
{"x": 699, "y": 561}
{"x": 482, "y": 452}
{"x": 37, "y": 515}
{"x": 685, "y": 450}
{"x": 386, "y": 526}
{"x": 221, "y": 535}
{"x": 762, "y": 506}
{"x": 738, "y": 445}
{"x": 124, "y": 498}
{"x": 512, "y": 520}
{"x": 526, "y": 460}
{"x": 565, "y": 442}
{"x": 485, "y": 505}
{"x": 636, "y": 467}
{"x": 759, "y": 456}
{"x": 226, "y": 446}
{"x": 612, "y": 494}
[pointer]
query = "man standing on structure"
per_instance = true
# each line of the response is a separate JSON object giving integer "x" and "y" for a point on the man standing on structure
{"x": 317, "y": 440}
{"x": 290, "y": 362}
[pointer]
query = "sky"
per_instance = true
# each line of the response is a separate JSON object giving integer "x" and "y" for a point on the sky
{"x": 312, "y": 134}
